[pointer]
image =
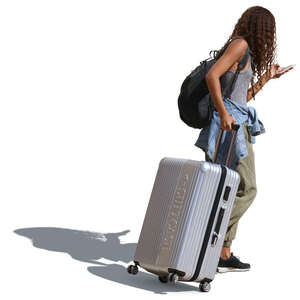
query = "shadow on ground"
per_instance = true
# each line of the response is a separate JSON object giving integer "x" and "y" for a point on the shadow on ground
{"x": 89, "y": 247}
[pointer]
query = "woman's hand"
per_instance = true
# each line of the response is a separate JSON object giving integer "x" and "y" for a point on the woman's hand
{"x": 276, "y": 68}
{"x": 226, "y": 122}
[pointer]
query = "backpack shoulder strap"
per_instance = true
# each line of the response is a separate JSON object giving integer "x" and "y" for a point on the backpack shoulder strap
{"x": 242, "y": 63}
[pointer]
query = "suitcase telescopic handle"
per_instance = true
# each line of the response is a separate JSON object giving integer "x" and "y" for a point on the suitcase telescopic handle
{"x": 235, "y": 128}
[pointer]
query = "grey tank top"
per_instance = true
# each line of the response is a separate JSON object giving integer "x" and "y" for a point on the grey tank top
{"x": 239, "y": 93}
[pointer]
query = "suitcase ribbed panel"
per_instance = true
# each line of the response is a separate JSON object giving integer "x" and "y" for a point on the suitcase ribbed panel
{"x": 186, "y": 211}
{"x": 186, "y": 258}
{"x": 157, "y": 211}
{"x": 212, "y": 254}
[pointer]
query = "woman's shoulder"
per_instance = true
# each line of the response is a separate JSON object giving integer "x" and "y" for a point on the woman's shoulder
{"x": 238, "y": 43}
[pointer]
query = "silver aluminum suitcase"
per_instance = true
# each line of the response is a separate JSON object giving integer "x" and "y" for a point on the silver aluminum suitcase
{"x": 187, "y": 218}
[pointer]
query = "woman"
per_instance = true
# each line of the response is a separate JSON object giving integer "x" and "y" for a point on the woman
{"x": 255, "y": 29}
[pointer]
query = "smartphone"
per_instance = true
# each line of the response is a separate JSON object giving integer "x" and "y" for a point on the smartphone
{"x": 285, "y": 69}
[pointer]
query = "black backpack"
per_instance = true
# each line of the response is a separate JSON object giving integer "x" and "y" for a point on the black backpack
{"x": 194, "y": 102}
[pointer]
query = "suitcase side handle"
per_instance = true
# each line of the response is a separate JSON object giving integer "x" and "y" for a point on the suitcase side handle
{"x": 235, "y": 128}
{"x": 216, "y": 235}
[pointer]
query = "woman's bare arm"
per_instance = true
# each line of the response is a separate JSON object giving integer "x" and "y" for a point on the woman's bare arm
{"x": 258, "y": 86}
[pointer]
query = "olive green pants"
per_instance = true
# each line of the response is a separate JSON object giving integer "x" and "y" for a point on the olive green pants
{"x": 247, "y": 189}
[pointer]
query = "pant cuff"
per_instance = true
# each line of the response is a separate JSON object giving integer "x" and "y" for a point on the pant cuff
{"x": 227, "y": 243}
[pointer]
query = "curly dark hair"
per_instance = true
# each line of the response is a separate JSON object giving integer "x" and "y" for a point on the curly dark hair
{"x": 258, "y": 27}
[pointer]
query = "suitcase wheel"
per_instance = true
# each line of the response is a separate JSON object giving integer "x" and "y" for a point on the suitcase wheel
{"x": 163, "y": 279}
{"x": 132, "y": 269}
{"x": 173, "y": 277}
{"x": 204, "y": 286}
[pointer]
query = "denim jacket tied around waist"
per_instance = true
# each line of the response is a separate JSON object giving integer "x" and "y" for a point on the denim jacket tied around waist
{"x": 208, "y": 136}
